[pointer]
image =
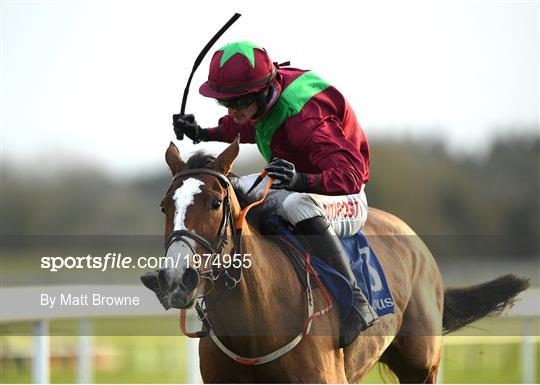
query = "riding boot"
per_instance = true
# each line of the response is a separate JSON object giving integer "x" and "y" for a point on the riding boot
{"x": 326, "y": 245}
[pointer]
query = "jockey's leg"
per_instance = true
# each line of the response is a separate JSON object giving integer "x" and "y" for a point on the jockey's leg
{"x": 273, "y": 200}
{"x": 309, "y": 212}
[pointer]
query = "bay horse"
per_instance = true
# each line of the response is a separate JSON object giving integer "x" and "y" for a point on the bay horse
{"x": 266, "y": 305}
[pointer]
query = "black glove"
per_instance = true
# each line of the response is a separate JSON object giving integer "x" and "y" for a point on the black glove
{"x": 286, "y": 177}
{"x": 186, "y": 124}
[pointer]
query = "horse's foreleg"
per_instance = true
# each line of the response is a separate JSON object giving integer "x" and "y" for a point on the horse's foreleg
{"x": 316, "y": 360}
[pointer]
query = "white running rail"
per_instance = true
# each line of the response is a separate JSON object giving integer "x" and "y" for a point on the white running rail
{"x": 527, "y": 308}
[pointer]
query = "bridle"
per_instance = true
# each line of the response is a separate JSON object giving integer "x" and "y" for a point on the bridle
{"x": 216, "y": 245}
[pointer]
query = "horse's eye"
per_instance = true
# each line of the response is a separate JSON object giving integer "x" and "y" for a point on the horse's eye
{"x": 215, "y": 204}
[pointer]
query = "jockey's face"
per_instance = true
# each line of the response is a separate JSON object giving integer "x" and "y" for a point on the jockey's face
{"x": 245, "y": 107}
{"x": 243, "y": 115}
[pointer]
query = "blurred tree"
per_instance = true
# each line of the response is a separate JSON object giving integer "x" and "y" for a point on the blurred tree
{"x": 434, "y": 192}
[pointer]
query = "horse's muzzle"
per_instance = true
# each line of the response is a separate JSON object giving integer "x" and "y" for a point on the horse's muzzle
{"x": 179, "y": 286}
{"x": 174, "y": 287}
{"x": 172, "y": 279}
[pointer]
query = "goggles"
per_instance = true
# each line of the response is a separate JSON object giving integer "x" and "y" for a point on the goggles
{"x": 238, "y": 103}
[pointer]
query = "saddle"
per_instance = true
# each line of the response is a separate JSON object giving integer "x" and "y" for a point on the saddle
{"x": 365, "y": 265}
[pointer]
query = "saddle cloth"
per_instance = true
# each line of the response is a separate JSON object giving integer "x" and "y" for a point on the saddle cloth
{"x": 365, "y": 265}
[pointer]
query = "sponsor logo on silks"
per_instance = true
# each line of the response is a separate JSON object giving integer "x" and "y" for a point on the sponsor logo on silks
{"x": 342, "y": 210}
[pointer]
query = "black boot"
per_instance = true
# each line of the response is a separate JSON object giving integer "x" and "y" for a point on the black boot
{"x": 325, "y": 243}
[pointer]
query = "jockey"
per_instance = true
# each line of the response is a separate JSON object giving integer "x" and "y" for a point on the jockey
{"x": 317, "y": 152}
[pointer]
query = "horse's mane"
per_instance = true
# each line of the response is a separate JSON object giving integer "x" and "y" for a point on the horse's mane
{"x": 257, "y": 215}
{"x": 200, "y": 159}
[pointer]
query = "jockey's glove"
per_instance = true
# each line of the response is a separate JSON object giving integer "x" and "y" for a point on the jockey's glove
{"x": 286, "y": 177}
{"x": 186, "y": 124}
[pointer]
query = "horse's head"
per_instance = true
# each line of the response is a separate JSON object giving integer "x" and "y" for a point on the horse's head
{"x": 198, "y": 216}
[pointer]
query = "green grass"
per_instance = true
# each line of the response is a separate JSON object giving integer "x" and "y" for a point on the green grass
{"x": 491, "y": 363}
{"x": 162, "y": 359}
{"x": 475, "y": 364}
{"x": 140, "y": 359}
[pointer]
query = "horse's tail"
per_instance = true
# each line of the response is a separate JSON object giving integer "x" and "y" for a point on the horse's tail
{"x": 465, "y": 305}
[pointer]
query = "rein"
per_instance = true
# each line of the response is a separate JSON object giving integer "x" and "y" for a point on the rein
{"x": 216, "y": 247}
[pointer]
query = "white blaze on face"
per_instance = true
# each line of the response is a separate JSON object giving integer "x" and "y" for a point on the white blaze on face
{"x": 183, "y": 197}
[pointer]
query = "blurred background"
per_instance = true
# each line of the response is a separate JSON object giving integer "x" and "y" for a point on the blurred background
{"x": 447, "y": 93}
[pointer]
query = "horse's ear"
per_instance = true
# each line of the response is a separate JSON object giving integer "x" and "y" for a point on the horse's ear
{"x": 224, "y": 161}
{"x": 172, "y": 157}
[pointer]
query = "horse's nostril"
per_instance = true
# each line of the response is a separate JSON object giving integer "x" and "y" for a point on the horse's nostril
{"x": 190, "y": 279}
{"x": 165, "y": 279}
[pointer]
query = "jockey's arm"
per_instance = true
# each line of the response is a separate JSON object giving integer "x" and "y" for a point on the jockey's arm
{"x": 227, "y": 130}
{"x": 343, "y": 168}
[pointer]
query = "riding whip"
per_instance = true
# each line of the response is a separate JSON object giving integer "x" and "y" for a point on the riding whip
{"x": 259, "y": 179}
{"x": 202, "y": 54}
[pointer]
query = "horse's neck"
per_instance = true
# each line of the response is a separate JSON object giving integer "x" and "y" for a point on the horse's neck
{"x": 268, "y": 300}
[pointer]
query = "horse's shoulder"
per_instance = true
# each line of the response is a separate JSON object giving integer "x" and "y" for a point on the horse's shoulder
{"x": 382, "y": 222}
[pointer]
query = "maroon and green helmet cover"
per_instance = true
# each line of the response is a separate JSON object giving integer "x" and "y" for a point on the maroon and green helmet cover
{"x": 238, "y": 69}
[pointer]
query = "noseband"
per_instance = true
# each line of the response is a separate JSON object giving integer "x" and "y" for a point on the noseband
{"x": 214, "y": 247}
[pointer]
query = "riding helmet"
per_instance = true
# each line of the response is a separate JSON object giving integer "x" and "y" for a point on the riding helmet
{"x": 238, "y": 69}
